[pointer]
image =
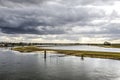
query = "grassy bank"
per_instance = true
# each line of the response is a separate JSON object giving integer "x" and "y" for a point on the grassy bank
{"x": 115, "y": 45}
{"x": 95, "y": 54}
{"x": 110, "y": 55}
{"x": 27, "y": 49}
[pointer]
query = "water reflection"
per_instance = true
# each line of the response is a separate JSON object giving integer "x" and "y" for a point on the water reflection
{"x": 85, "y": 48}
{"x": 33, "y": 66}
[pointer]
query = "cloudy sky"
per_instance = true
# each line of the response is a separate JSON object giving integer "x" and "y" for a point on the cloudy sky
{"x": 83, "y": 21}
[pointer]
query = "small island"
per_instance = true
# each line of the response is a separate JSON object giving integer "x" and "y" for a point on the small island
{"x": 94, "y": 54}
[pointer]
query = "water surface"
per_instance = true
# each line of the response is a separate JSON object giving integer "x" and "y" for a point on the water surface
{"x": 33, "y": 66}
{"x": 85, "y": 48}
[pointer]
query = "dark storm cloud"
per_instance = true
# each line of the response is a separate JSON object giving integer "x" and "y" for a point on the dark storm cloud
{"x": 79, "y": 2}
{"x": 29, "y": 26}
{"x": 49, "y": 21}
{"x": 12, "y": 29}
{"x": 55, "y": 17}
{"x": 15, "y": 2}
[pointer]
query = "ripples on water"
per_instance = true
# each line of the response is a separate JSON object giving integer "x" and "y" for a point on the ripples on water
{"x": 33, "y": 66}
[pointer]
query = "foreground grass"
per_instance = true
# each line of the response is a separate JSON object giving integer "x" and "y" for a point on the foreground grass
{"x": 95, "y": 54}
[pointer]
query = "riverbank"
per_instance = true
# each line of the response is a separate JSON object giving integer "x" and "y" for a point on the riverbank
{"x": 33, "y": 66}
{"x": 27, "y": 49}
{"x": 107, "y": 46}
{"x": 96, "y": 54}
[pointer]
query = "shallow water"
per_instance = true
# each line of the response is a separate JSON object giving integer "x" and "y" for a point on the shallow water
{"x": 33, "y": 66}
{"x": 85, "y": 48}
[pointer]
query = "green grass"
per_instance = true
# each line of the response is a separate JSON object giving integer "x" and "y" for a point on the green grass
{"x": 95, "y": 54}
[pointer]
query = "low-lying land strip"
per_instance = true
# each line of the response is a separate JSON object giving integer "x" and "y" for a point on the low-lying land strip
{"x": 27, "y": 49}
{"x": 96, "y": 54}
{"x": 107, "y": 46}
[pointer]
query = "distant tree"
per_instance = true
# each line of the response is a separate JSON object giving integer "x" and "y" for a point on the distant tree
{"x": 107, "y": 43}
{"x": 29, "y": 44}
{"x": 5, "y": 45}
{"x": 21, "y": 44}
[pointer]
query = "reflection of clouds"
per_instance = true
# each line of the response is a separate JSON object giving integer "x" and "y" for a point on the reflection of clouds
{"x": 101, "y": 66}
{"x": 85, "y": 48}
{"x": 28, "y": 53}
{"x": 69, "y": 67}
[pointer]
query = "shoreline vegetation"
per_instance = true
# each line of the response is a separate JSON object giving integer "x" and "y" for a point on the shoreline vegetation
{"x": 93, "y": 54}
{"x": 107, "y": 46}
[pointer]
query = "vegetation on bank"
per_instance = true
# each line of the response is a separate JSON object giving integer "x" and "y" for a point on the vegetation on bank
{"x": 107, "y": 46}
{"x": 27, "y": 49}
{"x": 115, "y": 46}
{"x": 96, "y": 54}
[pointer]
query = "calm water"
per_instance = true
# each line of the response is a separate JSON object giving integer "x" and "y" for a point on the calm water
{"x": 33, "y": 66}
{"x": 85, "y": 48}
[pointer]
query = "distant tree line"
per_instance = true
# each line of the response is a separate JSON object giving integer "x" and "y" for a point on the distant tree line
{"x": 10, "y": 44}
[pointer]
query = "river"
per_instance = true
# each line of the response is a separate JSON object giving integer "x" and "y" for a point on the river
{"x": 32, "y": 66}
{"x": 84, "y": 48}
